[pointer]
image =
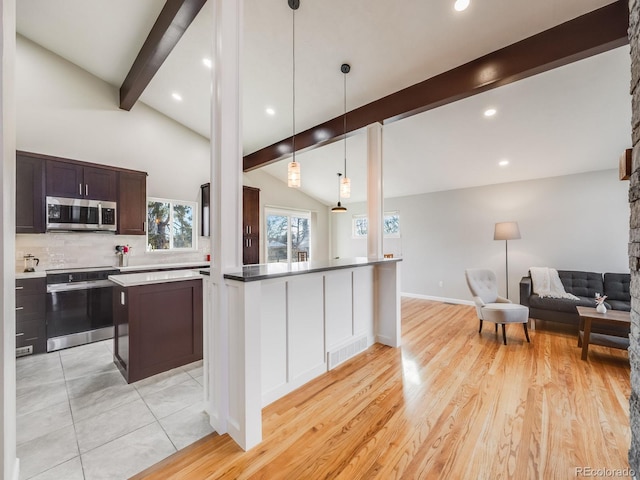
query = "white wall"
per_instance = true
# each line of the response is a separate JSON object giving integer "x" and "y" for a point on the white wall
{"x": 65, "y": 111}
{"x": 574, "y": 222}
{"x": 8, "y": 461}
{"x": 275, "y": 193}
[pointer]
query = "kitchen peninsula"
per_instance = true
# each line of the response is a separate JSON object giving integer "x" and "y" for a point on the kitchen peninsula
{"x": 291, "y": 322}
{"x": 157, "y": 320}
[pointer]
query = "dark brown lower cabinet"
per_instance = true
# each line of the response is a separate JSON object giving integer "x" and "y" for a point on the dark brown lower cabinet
{"x": 31, "y": 333}
{"x": 157, "y": 327}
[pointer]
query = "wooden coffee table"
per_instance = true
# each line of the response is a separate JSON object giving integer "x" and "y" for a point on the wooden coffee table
{"x": 615, "y": 317}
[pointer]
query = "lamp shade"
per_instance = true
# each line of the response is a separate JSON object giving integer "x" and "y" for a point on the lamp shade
{"x": 339, "y": 208}
{"x": 345, "y": 187}
{"x": 506, "y": 231}
{"x": 293, "y": 174}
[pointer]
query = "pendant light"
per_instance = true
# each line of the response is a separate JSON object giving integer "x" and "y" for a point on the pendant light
{"x": 345, "y": 183}
{"x": 293, "y": 169}
{"x": 339, "y": 208}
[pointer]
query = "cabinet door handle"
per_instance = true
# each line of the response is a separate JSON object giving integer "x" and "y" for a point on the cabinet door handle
{"x": 249, "y": 242}
{"x": 19, "y": 334}
{"x": 86, "y": 189}
{"x": 80, "y": 189}
{"x": 19, "y": 288}
{"x": 19, "y": 308}
{"x": 249, "y": 228}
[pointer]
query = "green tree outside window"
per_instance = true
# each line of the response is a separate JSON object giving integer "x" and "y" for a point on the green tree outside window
{"x": 171, "y": 225}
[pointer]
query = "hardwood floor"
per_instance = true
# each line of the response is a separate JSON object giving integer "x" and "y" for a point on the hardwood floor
{"x": 450, "y": 403}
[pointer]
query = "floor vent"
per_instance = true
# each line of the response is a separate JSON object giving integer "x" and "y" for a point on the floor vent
{"x": 22, "y": 351}
{"x": 347, "y": 351}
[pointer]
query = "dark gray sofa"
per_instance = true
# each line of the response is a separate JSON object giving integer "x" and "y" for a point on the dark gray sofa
{"x": 584, "y": 285}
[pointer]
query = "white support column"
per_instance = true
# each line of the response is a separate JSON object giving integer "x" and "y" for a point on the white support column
{"x": 10, "y": 464}
{"x": 244, "y": 419}
{"x": 226, "y": 199}
{"x": 387, "y": 276}
{"x": 375, "y": 197}
{"x": 387, "y": 304}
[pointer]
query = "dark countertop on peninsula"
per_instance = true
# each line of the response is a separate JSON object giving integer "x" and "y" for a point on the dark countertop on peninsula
{"x": 252, "y": 273}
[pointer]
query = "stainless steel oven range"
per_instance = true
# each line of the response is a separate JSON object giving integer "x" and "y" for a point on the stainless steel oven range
{"x": 79, "y": 306}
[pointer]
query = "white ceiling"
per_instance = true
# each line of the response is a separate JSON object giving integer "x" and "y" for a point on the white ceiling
{"x": 576, "y": 118}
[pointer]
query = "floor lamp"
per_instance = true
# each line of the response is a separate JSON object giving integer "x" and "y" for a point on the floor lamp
{"x": 506, "y": 231}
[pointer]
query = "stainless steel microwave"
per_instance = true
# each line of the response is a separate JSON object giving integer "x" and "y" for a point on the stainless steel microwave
{"x": 73, "y": 214}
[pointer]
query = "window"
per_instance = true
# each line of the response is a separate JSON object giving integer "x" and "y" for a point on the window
{"x": 288, "y": 235}
{"x": 390, "y": 226}
{"x": 171, "y": 225}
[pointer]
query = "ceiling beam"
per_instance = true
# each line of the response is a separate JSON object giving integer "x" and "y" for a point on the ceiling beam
{"x": 173, "y": 21}
{"x": 590, "y": 34}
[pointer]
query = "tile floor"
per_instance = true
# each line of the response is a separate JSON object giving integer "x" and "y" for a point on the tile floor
{"x": 77, "y": 417}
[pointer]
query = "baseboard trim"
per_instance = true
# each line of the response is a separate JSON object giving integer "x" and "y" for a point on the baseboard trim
{"x": 457, "y": 301}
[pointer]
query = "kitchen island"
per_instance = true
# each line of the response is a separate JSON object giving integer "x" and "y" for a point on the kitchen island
{"x": 157, "y": 320}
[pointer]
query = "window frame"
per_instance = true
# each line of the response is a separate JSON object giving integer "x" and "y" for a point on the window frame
{"x": 390, "y": 213}
{"x": 194, "y": 225}
{"x": 286, "y": 212}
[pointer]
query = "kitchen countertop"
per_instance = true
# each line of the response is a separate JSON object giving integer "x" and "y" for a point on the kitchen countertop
{"x": 148, "y": 278}
{"x": 133, "y": 268}
{"x": 36, "y": 274}
{"x": 252, "y": 273}
{"x": 158, "y": 266}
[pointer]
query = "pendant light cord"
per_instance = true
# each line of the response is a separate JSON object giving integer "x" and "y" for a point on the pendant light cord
{"x": 293, "y": 138}
{"x": 345, "y": 125}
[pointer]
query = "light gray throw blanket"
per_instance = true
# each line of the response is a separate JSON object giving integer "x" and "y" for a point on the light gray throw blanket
{"x": 547, "y": 283}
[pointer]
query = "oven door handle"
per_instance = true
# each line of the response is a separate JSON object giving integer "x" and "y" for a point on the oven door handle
{"x": 68, "y": 287}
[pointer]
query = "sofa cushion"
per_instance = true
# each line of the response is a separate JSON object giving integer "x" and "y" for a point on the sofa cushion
{"x": 560, "y": 304}
{"x": 619, "y": 305}
{"x": 582, "y": 284}
{"x": 616, "y": 286}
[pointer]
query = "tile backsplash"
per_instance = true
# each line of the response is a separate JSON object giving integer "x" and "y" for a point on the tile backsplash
{"x": 79, "y": 250}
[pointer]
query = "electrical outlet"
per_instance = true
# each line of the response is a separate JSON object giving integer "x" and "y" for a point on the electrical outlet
{"x": 441, "y": 283}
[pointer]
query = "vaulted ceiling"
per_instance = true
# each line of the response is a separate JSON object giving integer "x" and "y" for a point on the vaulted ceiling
{"x": 571, "y": 119}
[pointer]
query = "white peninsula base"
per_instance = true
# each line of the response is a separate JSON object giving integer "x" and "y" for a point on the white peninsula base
{"x": 288, "y": 324}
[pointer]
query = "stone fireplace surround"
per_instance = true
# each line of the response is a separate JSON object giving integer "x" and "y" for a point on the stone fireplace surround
{"x": 634, "y": 239}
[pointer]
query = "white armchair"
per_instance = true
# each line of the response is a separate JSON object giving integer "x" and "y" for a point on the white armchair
{"x": 492, "y": 307}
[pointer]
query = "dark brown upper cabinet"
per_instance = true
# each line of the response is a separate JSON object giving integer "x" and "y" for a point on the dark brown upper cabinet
{"x": 39, "y": 175}
{"x": 250, "y": 225}
{"x": 250, "y": 221}
{"x": 132, "y": 203}
{"x": 66, "y": 179}
{"x": 205, "y": 209}
{"x": 30, "y": 203}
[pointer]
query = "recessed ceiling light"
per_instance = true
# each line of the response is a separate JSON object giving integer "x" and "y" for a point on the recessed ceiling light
{"x": 207, "y": 62}
{"x": 490, "y": 112}
{"x": 176, "y": 96}
{"x": 503, "y": 163}
{"x": 321, "y": 134}
{"x": 461, "y": 5}
{"x": 270, "y": 111}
